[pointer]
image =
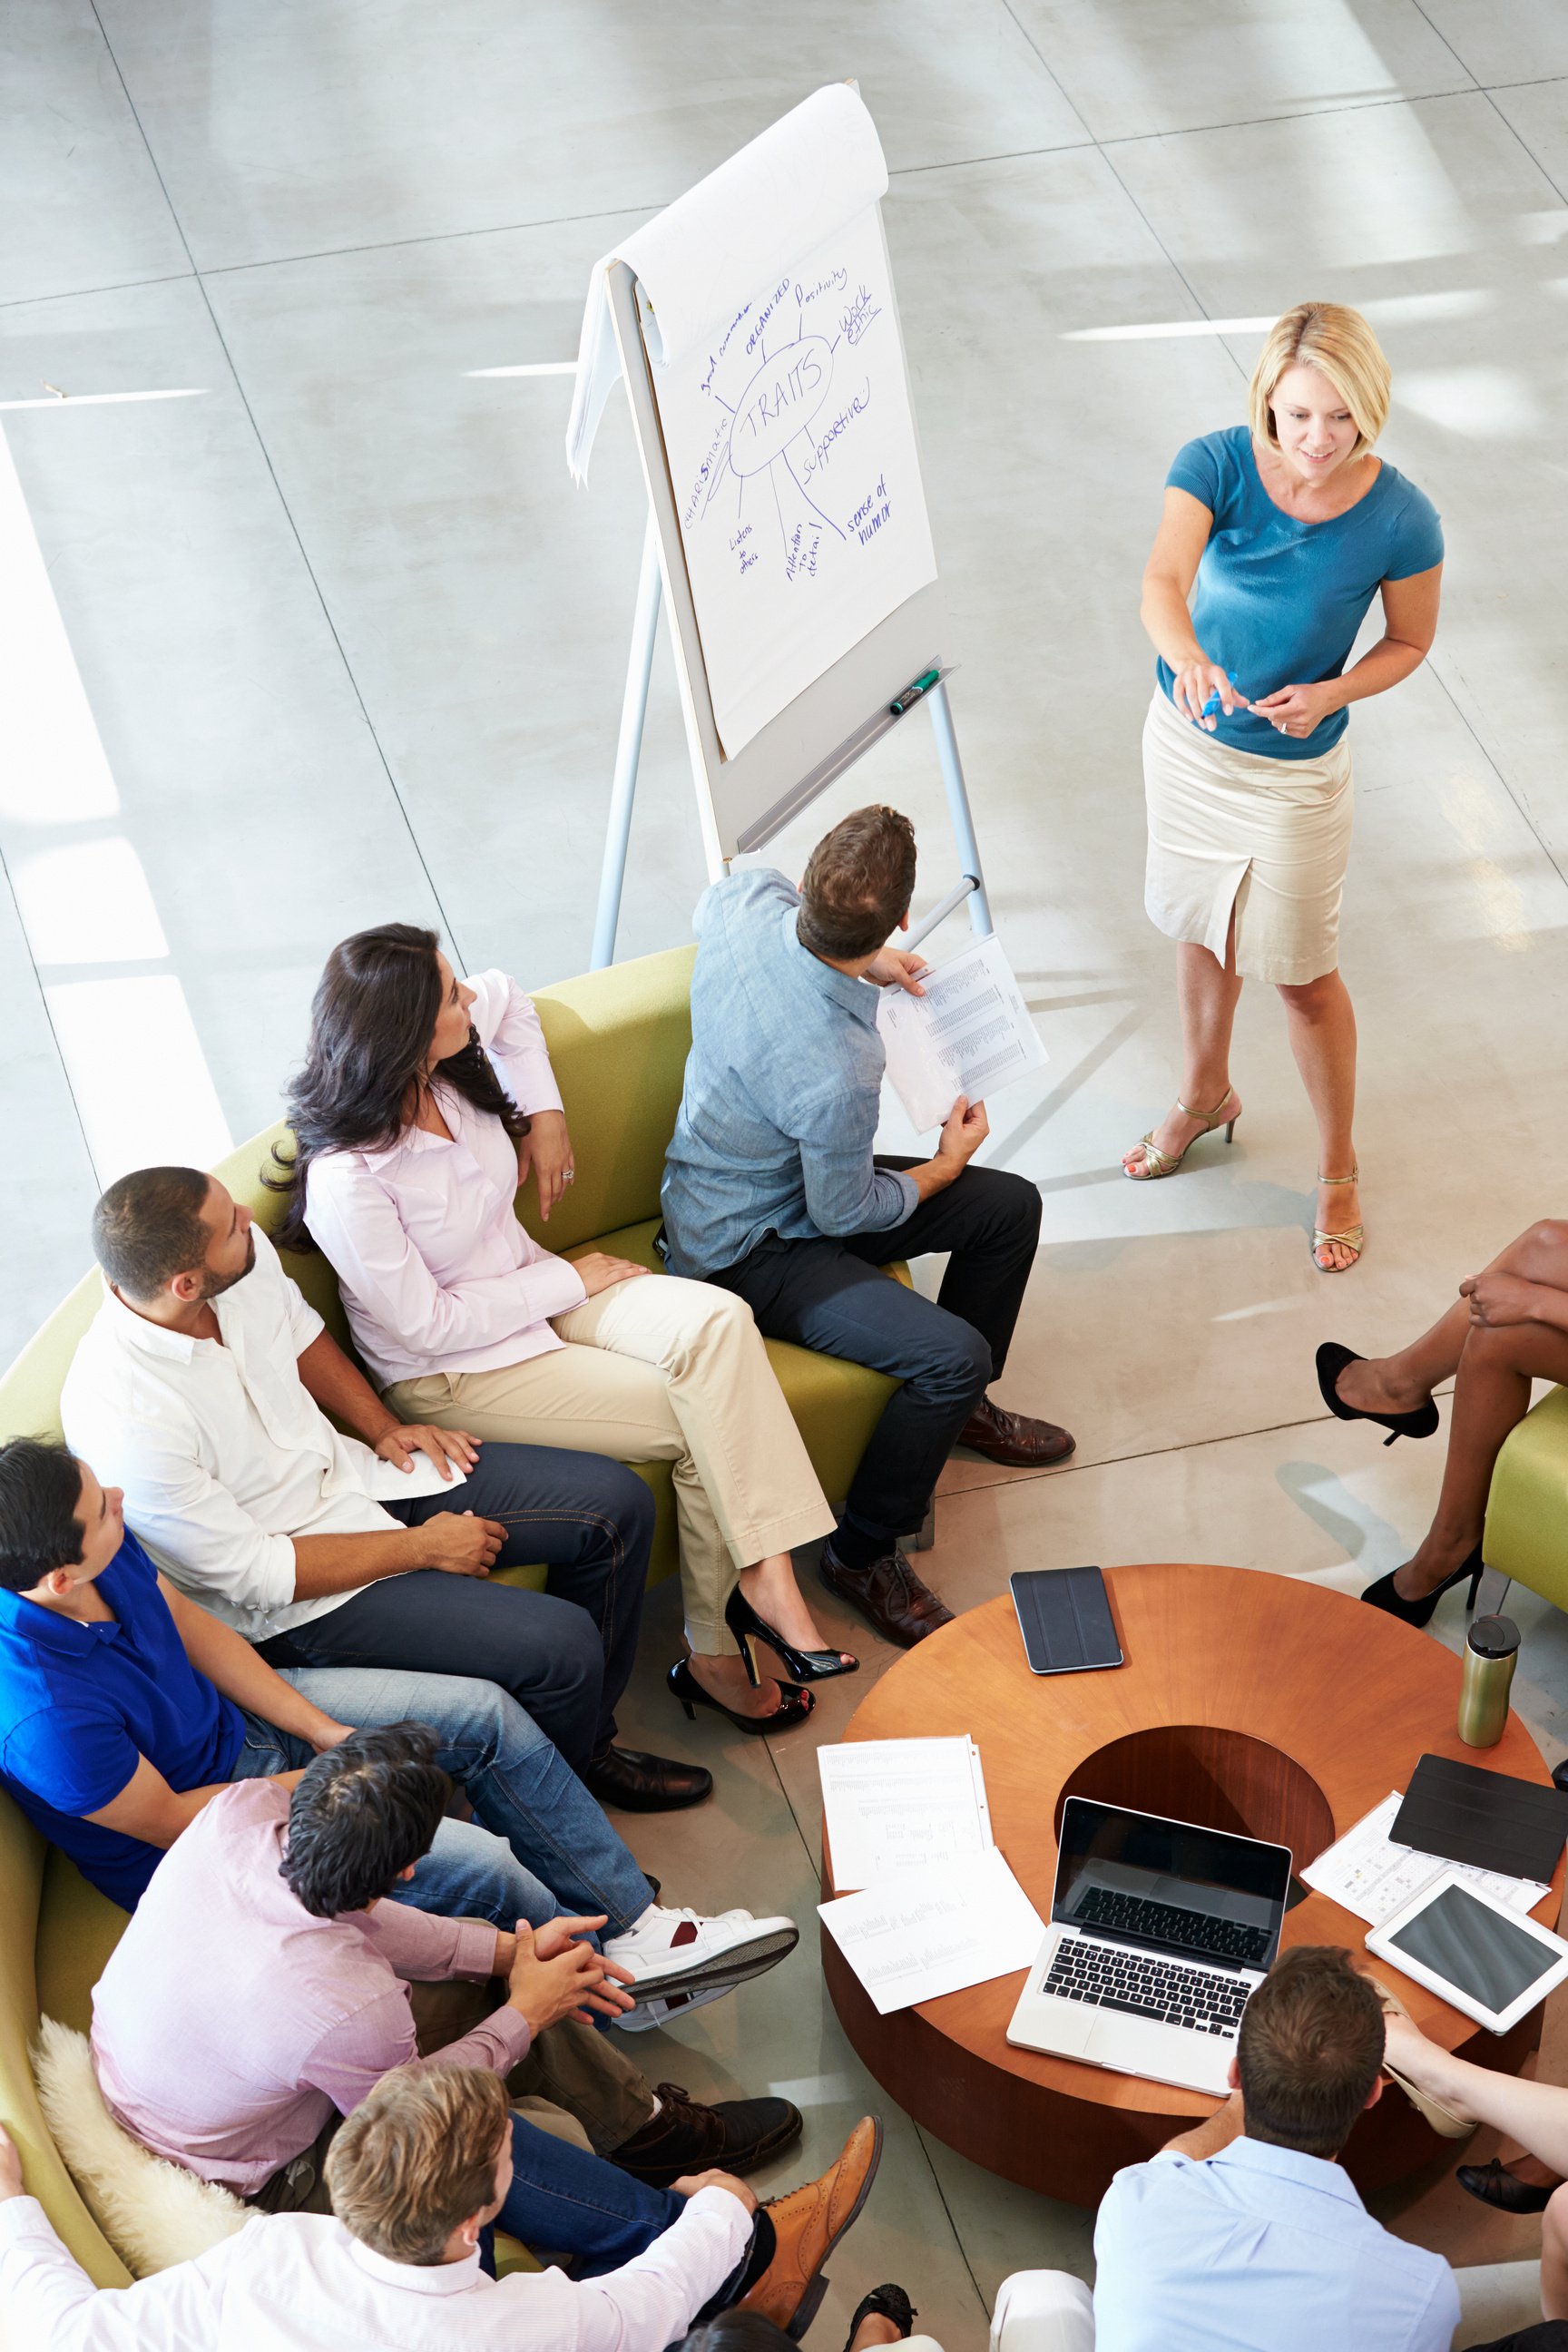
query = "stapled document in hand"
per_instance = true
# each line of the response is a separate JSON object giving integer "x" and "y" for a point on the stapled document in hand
{"x": 892, "y": 1805}
{"x": 927, "y": 1932}
{"x": 969, "y": 1033}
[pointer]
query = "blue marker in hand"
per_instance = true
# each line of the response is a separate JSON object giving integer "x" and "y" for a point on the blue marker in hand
{"x": 1213, "y": 704}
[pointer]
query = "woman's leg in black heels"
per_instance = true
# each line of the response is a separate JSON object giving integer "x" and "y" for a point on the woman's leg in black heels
{"x": 742, "y": 1682}
{"x": 1491, "y": 1396}
{"x": 1402, "y": 1381}
{"x": 770, "y": 1586}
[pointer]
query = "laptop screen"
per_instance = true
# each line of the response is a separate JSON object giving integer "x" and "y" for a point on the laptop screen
{"x": 1168, "y": 1886}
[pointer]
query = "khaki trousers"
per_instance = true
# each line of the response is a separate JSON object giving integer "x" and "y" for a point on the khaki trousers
{"x": 659, "y": 1369}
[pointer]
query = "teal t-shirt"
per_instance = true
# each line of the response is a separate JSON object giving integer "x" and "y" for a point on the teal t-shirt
{"x": 1277, "y": 600}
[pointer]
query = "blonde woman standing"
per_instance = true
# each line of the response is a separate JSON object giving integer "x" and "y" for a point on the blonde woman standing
{"x": 1288, "y": 526}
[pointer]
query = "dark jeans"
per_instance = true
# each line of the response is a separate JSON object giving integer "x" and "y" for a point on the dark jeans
{"x": 579, "y": 2205}
{"x": 828, "y": 1295}
{"x": 1546, "y": 2335}
{"x": 563, "y": 1654}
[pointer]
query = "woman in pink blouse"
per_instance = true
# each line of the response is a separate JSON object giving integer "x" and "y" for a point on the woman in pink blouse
{"x": 424, "y": 1102}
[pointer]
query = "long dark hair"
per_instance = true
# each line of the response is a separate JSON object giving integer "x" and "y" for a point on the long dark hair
{"x": 371, "y": 1020}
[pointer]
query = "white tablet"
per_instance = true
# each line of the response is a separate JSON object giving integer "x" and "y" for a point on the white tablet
{"x": 1492, "y": 1963}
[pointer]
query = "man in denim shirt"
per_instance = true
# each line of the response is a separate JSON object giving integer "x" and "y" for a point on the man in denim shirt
{"x": 771, "y": 1187}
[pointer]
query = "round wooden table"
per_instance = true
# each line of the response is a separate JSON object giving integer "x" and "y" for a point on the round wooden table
{"x": 1248, "y": 1702}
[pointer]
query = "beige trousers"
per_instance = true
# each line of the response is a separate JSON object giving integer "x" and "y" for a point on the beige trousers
{"x": 659, "y": 1369}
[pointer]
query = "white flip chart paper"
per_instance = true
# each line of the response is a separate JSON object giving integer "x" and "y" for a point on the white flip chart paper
{"x": 971, "y": 1034}
{"x": 891, "y": 1805}
{"x": 766, "y": 306}
{"x": 928, "y": 1932}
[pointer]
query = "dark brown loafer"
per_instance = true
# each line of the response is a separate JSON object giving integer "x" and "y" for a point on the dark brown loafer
{"x": 808, "y": 2225}
{"x": 888, "y": 1592}
{"x": 639, "y": 1783}
{"x": 735, "y": 2134}
{"x": 1014, "y": 1438}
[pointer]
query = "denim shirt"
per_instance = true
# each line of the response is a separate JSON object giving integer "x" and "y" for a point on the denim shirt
{"x": 782, "y": 1090}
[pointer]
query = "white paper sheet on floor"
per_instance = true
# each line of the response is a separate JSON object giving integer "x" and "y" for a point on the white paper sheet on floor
{"x": 765, "y": 296}
{"x": 971, "y": 1034}
{"x": 892, "y": 1805}
{"x": 929, "y": 1932}
{"x": 1372, "y": 1876}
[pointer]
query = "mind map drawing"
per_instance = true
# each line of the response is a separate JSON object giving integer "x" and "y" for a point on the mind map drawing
{"x": 796, "y": 478}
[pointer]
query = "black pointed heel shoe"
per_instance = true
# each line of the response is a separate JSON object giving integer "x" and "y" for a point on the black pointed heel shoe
{"x": 1382, "y": 1595}
{"x": 794, "y": 1703}
{"x": 1332, "y": 1362}
{"x": 805, "y": 1666}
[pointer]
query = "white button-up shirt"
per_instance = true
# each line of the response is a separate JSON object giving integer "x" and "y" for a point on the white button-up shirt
{"x": 436, "y": 1272}
{"x": 224, "y": 1453}
{"x": 299, "y": 2283}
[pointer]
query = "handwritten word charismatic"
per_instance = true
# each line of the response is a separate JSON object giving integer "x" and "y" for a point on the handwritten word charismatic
{"x": 708, "y": 474}
{"x": 854, "y": 320}
{"x": 780, "y": 400}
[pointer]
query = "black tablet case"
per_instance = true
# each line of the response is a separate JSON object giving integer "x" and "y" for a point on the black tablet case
{"x": 1065, "y": 1614}
{"x": 1489, "y": 1818}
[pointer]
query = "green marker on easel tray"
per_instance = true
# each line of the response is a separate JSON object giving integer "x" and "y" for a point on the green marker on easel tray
{"x": 912, "y": 694}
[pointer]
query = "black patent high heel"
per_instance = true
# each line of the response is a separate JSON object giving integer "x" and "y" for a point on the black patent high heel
{"x": 805, "y": 1666}
{"x": 1331, "y": 1359}
{"x": 794, "y": 1703}
{"x": 1382, "y": 1595}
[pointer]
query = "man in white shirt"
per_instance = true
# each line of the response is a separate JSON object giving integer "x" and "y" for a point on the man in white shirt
{"x": 203, "y": 1389}
{"x": 417, "y": 2176}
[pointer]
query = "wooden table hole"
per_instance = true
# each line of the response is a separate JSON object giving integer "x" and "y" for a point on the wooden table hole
{"x": 1220, "y": 1780}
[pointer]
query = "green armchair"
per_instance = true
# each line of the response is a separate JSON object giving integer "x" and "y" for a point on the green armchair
{"x": 618, "y": 1040}
{"x": 1526, "y": 1538}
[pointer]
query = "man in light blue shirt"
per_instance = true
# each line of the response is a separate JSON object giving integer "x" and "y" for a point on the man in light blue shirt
{"x": 772, "y": 1189}
{"x": 1246, "y": 2235}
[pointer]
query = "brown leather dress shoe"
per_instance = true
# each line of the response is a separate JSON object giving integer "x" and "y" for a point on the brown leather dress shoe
{"x": 808, "y": 2225}
{"x": 635, "y": 1782}
{"x": 902, "y": 1609}
{"x": 736, "y": 2135}
{"x": 1014, "y": 1438}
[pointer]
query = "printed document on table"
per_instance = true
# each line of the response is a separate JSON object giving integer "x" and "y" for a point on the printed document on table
{"x": 1372, "y": 1876}
{"x": 892, "y": 1805}
{"x": 969, "y": 1034}
{"x": 391, "y": 1484}
{"x": 932, "y": 1931}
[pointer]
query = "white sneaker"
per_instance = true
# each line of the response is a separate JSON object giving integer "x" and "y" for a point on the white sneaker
{"x": 669, "y": 1952}
{"x": 649, "y": 2013}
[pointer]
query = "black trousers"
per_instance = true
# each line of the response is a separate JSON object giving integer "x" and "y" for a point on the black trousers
{"x": 565, "y": 1654}
{"x": 829, "y": 1294}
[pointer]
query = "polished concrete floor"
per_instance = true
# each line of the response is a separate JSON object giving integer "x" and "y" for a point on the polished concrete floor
{"x": 334, "y": 639}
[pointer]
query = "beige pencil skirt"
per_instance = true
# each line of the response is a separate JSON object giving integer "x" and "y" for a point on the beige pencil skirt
{"x": 1269, "y": 838}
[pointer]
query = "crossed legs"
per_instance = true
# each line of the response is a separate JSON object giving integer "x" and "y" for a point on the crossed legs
{"x": 1513, "y": 1329}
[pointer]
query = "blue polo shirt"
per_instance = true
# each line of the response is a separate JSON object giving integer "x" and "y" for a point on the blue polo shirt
{"x": 81, "y": 1705}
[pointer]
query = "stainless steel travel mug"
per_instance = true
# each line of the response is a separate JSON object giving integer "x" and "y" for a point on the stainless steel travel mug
{"x": 1491, "y": 1649}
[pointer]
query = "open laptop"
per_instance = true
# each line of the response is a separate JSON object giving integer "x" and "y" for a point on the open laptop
{"x": 1159, "y": 1932}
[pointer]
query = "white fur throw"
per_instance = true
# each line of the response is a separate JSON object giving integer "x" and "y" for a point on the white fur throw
{"x": 153, "y": 2213}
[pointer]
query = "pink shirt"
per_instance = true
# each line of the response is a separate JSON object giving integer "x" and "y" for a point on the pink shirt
{"x": 437, "y": 1274}
{"x": 230, "y": 2025}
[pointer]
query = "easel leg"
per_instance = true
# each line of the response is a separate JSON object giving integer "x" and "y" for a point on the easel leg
{"x": 936, "y": 702}
{"x": 629, "y": 751}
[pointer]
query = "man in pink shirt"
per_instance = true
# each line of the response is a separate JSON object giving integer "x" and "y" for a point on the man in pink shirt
{"x": 417, "y": 2175}
{"x": 261, "y": 1991}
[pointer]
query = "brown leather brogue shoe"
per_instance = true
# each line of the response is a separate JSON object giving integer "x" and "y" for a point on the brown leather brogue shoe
{"x": 1014, "y": 1438}
{"x": 808, "y": 2225}
{"x": 888, "y": 1592}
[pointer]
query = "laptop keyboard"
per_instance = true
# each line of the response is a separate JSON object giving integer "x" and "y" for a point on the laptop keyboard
{"x": 1167, "y": 1923}
{"x": 1109, "y": 1978}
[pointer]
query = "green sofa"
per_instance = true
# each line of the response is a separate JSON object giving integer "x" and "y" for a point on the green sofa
{"x": 1526, "y": 1537}
{"x": 618, "y": 1040}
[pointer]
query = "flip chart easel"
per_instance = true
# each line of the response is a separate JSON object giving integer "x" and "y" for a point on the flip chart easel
{"x": 743, "y": 801}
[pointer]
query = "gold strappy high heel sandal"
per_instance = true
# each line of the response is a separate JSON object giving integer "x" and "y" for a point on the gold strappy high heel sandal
{"x": 1165, "y": 1163}
{"x": 1354, "y": 1237}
